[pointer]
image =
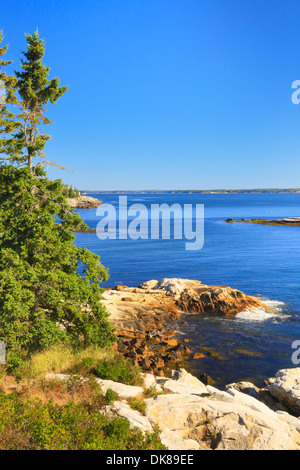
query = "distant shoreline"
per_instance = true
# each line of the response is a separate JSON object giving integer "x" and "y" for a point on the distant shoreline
{"x": 198, "y": 191}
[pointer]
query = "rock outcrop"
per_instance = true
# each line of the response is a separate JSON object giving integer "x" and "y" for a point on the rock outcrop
{"x": 192, "y": 416}
{"x": 285, "y": 387}
{"x": 206, "y": 418}
{"x": 141, "y": 314}
{"x": 135, "y": 310}
{"x": 83, "y": 202}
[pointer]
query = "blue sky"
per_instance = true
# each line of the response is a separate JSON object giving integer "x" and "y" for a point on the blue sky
{"x": 169, "y": 94}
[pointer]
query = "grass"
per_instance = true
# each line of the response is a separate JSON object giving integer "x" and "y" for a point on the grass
{"x": 118, "y": 369}
{"x": 40, "y": 414}
{"x": 63, "y": 359}
{"x": 138, "y": 405}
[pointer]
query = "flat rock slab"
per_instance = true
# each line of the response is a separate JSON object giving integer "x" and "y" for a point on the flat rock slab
{"x": 122, "y": 390}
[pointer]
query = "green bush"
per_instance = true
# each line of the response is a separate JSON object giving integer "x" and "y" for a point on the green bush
{"x": 44, "y": 299}
{"x": 110, "y": 396}
{"x": 118, "y": 369}
{"x": 32, "y": 425}
{"x": 138, "y": 406}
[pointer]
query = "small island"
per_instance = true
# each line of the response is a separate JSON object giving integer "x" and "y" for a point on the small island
{"x": 83, "y": 202}
{"x": 289, "y": 221}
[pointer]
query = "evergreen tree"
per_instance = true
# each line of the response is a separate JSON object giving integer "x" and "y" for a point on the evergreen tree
{"x": 49, "y": 288}
{"x": 8, "y": 99}
{"x": 36, "y": 91}
{"x": 44, "y": 299}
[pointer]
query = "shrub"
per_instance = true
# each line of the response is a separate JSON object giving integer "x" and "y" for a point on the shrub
{"x": 138, "y": 406}
{"x": 32, "y": 425}
{"x": 110, "y": 396}
{"x": 118, "y": 369}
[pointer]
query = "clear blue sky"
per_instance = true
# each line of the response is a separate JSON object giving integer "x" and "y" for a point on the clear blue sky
{"x": 169, "y": 94}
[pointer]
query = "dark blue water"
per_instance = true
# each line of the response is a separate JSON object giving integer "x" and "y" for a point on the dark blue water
{"x": 259, "y": 260}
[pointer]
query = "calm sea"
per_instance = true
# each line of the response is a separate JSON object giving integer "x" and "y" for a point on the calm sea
{"x": 259, "y": 260}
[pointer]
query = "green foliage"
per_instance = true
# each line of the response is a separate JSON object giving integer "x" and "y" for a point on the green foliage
{"x": 118, "y": 369}
{"x": 32, "y": 425}
{"x": 110, "y": 396}
{"x": 44, "y": 298}
{"x": 8, "y": 87}
{"x": 70, "y": 192}
{"x": 138, "y": 405}
{"x": 35, "y": 91}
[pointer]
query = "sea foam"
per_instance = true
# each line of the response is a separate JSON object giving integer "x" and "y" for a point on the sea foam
{"x": 259, "y": 314}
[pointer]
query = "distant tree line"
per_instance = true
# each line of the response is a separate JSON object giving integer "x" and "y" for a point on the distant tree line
{"x": 70, "y": 191}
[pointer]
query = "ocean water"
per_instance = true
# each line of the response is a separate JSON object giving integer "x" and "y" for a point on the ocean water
{"x": 259, "y": 260}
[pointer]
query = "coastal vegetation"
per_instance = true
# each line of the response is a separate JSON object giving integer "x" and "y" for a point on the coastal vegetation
{"x": 51, "y": 315}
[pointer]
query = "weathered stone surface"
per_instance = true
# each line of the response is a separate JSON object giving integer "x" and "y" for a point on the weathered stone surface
{"x": 221, "y": 425}
{"x": 246, "y": 387}
{"x": 173, "y": 442}
{"x": 185, "y": 378}
{"x": 197, "y": 417}
{"x": 136, "y": 310}
{"x": 289, "y": 419}
{"x": 147, "y": 310}
{"x": 122, "y": 390}
{"x": 285, "y": 387}
{"x": 149, "y": 380}
{"x": 135, "y": 418}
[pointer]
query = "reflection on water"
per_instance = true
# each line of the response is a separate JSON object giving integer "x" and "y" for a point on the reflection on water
{"x": 257, "y": 259}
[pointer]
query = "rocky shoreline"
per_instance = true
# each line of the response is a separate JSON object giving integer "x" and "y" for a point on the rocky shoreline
{"x": 144, "y": 319}
{"x": 83, "y": 202}
{"x": 193, "y": 416}
{"x": 289, "y": 221}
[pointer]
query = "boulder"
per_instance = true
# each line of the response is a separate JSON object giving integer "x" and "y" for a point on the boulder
{"x": 221, "y": 425}
{"x": 246, "y": 387}
{"x": 135, "y": 418}
{"x": 122, "y": 390}
{"x": 285, "y": 387}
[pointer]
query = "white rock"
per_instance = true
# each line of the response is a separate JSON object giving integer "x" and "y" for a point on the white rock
{"x": 186, "y": 378}
{"x": 149, "y": 380}
{"x": 249, "y": 401}
{"x": 286, "y": 388}
{"x": 149, "y": 285}
{"x": 173, "y": 442}
{"x": 289, "y": 419}
{"x": 123, "y": 391}
{"x": 232, "y": 425}
{"x": 181, "y": 388}
{"x": 135, "y": 418}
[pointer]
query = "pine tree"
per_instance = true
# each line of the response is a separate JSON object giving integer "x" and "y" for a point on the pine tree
{"x": 8, "y": 100}
{"x": 36, "y": 91}
{"x": 49, "y": 288}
